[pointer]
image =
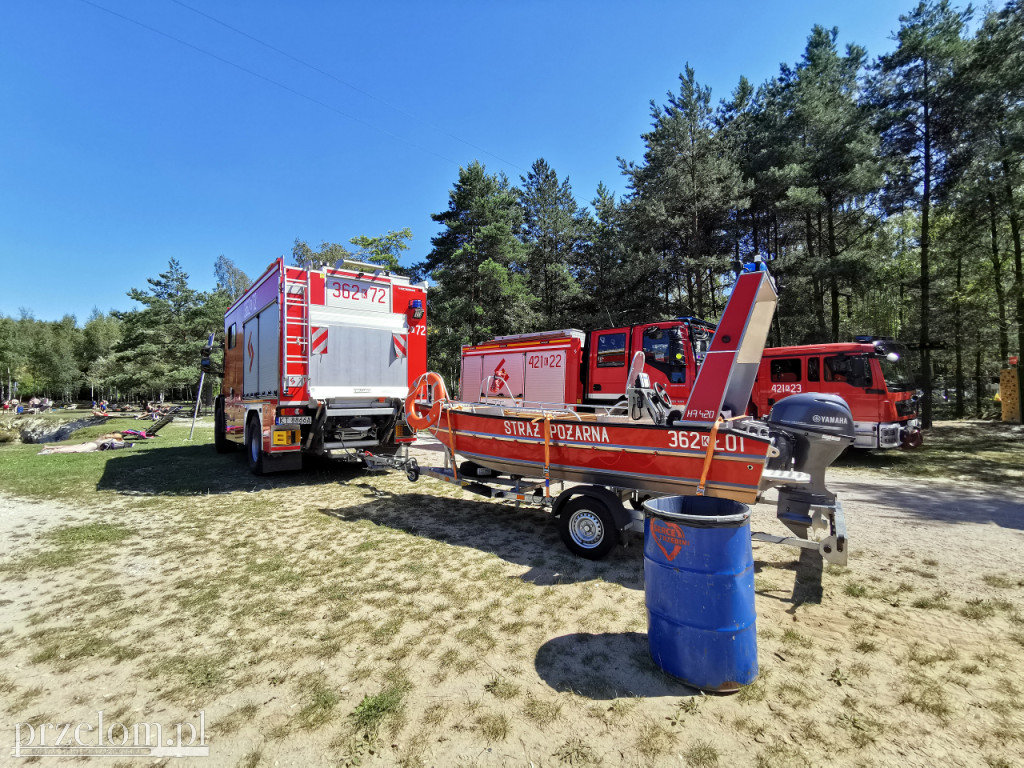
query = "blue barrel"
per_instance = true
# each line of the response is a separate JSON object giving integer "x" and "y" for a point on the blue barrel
{"x": 699, "y": 589}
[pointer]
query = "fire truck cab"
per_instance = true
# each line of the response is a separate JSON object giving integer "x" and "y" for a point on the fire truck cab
{"x": 319, "y": 362}
{"x": 872, "y": 375}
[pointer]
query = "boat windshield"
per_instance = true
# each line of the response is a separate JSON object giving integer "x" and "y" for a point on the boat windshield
{"x": 897, "y": 373}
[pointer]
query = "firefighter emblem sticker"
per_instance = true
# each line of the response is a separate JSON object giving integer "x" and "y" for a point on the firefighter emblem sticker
{"x": 669, "y": 537}
{"x": 500, "y": 377}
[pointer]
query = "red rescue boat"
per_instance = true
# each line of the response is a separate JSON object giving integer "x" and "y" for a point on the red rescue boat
{"x": 610, "y": 450}
{"x": 705, "y": 446}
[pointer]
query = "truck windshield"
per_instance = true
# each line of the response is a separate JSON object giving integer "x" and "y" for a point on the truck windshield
{"x": 898, "y": 377}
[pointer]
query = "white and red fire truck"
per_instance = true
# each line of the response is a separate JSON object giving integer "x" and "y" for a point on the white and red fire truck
{"x": 589, "y": 369}
{"x": 320, "y": 362}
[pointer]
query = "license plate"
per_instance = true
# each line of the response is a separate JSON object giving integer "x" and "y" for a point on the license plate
{"x": 294, "y": 419}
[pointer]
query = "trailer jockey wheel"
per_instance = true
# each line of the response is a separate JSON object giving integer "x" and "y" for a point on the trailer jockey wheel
{"x": 587, "y": 527}
{"x": 412, "y": 470}
{"x": 662, "y": 394}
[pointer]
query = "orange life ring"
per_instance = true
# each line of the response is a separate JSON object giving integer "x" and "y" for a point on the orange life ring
{"x": 437, "y": 390}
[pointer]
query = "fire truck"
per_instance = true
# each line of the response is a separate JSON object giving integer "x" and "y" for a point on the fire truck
{"x": 871, "y": 374}
{"x": 319, "y": 363}
{"x": 589, "y": 370}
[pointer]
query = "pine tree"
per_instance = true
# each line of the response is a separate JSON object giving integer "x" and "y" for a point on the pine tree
{"x": 230, "y": 279}
{"x": 833, "y": 170}
{"x": 477, "y": 264}
{"x": 683, "y": 197}
{"x": 554, "y": 232}
{"x": 914, "y": 91}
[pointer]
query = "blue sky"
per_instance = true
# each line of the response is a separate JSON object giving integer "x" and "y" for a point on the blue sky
{"x": 121, "y": 147}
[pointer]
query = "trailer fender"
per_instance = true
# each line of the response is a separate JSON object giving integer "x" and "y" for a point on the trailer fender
{"x": 622, "y": 518}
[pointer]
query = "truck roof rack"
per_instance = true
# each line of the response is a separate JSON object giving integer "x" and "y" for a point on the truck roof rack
{"x": 567, "y": 333}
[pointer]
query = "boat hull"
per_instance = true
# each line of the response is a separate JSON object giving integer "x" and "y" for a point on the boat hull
{"x": 642, "y": 457}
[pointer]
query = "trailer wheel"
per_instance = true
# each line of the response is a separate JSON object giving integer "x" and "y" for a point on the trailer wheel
{"x": 412, "y": 470}
{"x": 587, "y": 527}
{"x": 254, "y": 446}
{"x": 220, "y": 428}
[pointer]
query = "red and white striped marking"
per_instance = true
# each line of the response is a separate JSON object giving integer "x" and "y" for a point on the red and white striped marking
{"x": 319, "y": 337}
{"x": 401, "y": 345}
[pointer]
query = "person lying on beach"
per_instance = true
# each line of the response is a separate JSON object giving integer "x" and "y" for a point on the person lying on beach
{"x": 108, "y": 442}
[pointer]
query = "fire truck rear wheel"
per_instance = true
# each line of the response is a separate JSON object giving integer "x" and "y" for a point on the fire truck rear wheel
{"x": 587, "y": 527}
{"x": 220, "y": 428}
{"x": 254, "y": 446}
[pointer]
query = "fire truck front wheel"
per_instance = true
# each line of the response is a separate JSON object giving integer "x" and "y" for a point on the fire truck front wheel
{"x": 254, "y": 446}
{"x": 588, "y": 528}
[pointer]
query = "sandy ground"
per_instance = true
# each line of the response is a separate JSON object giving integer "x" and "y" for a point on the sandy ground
{"x": 288, "y": 613}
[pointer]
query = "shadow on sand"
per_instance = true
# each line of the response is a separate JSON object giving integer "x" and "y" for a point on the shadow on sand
{"x": 606, "y": 666}
{"x": 525, "y": 536}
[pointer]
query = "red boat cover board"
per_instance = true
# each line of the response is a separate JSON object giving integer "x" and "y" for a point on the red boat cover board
{"x": 726, "y": 376}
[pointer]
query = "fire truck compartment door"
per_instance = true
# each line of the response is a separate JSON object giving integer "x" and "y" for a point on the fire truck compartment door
{"x": 260, "y": 356}
{"x": 361, "y": 359}
{"x": 545, "y": 376}
{"x": 507, "y": 367}
{"x": 469, "y": 383}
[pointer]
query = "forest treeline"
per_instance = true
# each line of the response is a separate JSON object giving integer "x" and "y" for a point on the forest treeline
{"x": 886, "y": 192}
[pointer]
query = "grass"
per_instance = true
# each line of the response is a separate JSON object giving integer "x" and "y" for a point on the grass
{"x": 320, "y": 703}
{"x": 541, "y": 711}
{"x": 936, "y": 601}
{"x": 977, "y": 609}
{"x": 501, "y": 688}
{"x": 1000, "y": 581}
{"x": 494, "y": 727}
{"x": 373, "y": 712}
{"x": 855, "y": 589}
{"x": 575, "y": 752}
{"x": 865, "y": 646}
{"x": 70, "y": 545}
{"x": 978, "y": 451}
{"x": 653, "y": 740}
{"x": 926, "y": 695}
{"x": 701, "y": 754}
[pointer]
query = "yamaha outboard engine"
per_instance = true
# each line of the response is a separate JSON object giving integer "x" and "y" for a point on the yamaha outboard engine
{"x": 810, "y": 431}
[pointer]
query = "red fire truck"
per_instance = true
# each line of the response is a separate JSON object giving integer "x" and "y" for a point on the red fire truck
{"x": 319, "y": 363}
{"x": 590, "y": 369}
{"x": 872, "y": 375}
{"x": 574, "y": 367}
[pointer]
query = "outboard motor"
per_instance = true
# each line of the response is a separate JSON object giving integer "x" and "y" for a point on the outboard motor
{"x": 810, "y": 430}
